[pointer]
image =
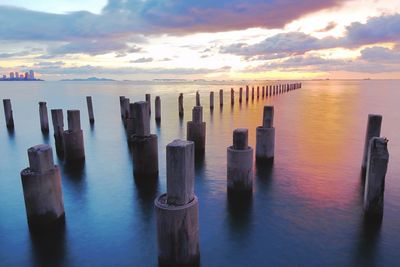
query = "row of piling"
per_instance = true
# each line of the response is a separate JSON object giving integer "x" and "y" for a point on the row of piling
{"x": 177, "y": 210}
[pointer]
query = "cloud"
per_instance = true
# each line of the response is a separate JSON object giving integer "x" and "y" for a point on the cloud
{"x": 331, "y": 25}
{"x": 381, "y": 54}
{"x": 126, "y": 17}
{"x": 375, "y": 30}
{"x": 142, "y": 60}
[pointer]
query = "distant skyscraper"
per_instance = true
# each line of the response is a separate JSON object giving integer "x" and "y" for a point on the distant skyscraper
{"x": 16, "y": 75}
{"x": 31, "y": 75}
{"x": 4, "y": 77}
{"x": 11, "y": 75}
{"x": 21, "y": 76}
{"x": 26, "y": 76}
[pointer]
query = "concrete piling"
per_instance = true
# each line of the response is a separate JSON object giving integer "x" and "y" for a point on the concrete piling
{"x": 197, "y": 98}
{"x": 57, "y": 118}
{"x": 125, "y": 107}
{"x": 221, "y": 97}
{"x": 74, "y": 148}
{"x": 148, "y": 100}
{"x": 378, "y": 158}
{"x": 247, "y": 93}
{"x": 373, "y": 130}
{"x": 240, "y": 164}
{"x": 265, "y": 137}
{"x": 157, "y": 107}
{"x": 258, "y": 92}
{"x": 196, "y": 130}
{"x": 240, "y": 94}
{"x": 8, "y": 114}
{"x": 178, "y": 210}
{"x": 180, "y": 104}
{"x": 41, "y": 184}
{"x": 232, "y": 96}
{"x": 263, "y": 92}
{"x": 252, "y": 93}
{"x": 211, "y": 100}
{"x": 44, "y": 119}
{"x": 90, "y": 109}
{"x": 144, "y": 145}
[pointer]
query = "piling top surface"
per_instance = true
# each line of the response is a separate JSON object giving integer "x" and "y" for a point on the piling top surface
{"x": 375, "y": 117}
{"x": 197, "y": 114}
{"x": 57, "y": 117}
{"x": 268, "y": 116}
{"x": 240, "y": 139}
{"x": 41, "y": 103}
{"x": 40, "y": 158}
{"x": 180, "y": 172}
{"x": 74, "y": 120}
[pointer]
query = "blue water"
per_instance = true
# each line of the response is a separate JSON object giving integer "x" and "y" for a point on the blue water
{"x": 306, "y": 210}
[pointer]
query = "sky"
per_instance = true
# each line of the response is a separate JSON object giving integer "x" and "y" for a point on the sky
{"x": 191, "y": 39}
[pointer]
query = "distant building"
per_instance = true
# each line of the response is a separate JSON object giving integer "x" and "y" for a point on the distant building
{"x": 16, "y": 75}
{"x": 11, "y": 75}
{"x": 21, "y": 76}
{"x": 26, "y": 76}
{"x": 4, "y": 77}
{"x": 31, "y": 75}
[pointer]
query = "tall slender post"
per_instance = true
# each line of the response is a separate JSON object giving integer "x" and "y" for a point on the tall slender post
{"x": 180, "y": 103}
{"x": 196, "y": 130}
{"x": 178, "y": 210}
{"x": 263, "y": 92}
{"x": 157, "y": 106}
{"x": 258, "y": 92}
{"x": 74, "y": 148}
{"x": 211, "y": 100}
{"x": 90, "y": 109}
{"x": 252, "y": 93}
{"x": 130, "y": 121}
{"x": 232, "y": 97}
{"x": 240, "y": 94}
{"x": 44, "y": 119}
{"x": 148, "y": 100}
{"x": 121, "y": 104}
{"x": 8, "y": 113}
{"x": 58, "y": 126}
{"x": 240, "y": 164}
{"x": 221, "y": 97}
{"x": 265, "y": 137}
{"x": 373, "y": 130}
{"x": 247, "y": 93}
{"x": 378, "y": 158}
{"x": 144, "y": 144}
{"x": 197, "y": 98}
{"x": 41, "y": 184}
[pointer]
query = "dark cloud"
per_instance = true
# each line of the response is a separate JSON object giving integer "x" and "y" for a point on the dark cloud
{"x": 331, "y": 25}
{"x": 142, "y": 60}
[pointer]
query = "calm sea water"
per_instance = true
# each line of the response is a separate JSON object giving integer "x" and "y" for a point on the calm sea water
{"x": 306, "y": 210}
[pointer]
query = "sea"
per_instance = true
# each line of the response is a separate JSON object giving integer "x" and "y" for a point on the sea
{"x": 306, "y": 209}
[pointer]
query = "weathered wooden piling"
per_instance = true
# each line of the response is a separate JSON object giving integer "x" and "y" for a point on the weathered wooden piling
{"x": 197, "y": 98}
{"x": 196, "y": 130}
{"x": 247, "y": 93}
{"x": 263, "y": 92}
{"x": 157, "y": 107}
{"x": 8, "y": 114}
{"x": 240, "y": 94}
{"x": 211, "y": 100}
{"x": 240, "y": 164}
{"x": 57, "y": 118}
{"x": 232, "y": 96}
{"x": 265, "y": 137}
{"x": 378, "y": 158}
{"x": 130, "y": 121}
{"x": 90, "y": 109}
{"x": 252, "y": 93}
{"x": 148, "y": 100}
{"x": 221, "y": 97}
{"x": 41, "y": 184}
{"x": 121, "y": 105}
{"x": 44, "y": 119}
{"x": 144, "y": 144}
{"x": 373, "y": 130}
{"x": 74, "y": 149}
{"x": 258, "y": 92}
{"x": 125, "y": 106}
{"x": 180, "y": 104}
{"x": 178, "y": 210}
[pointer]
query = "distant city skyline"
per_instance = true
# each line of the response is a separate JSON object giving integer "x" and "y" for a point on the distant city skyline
{"x": 16, "y": 76}
{"x": 213, "y": 40}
